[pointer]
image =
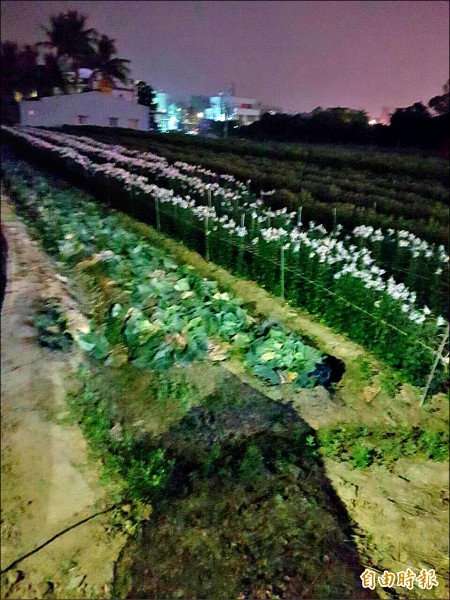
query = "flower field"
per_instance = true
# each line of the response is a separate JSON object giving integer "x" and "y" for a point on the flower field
{"x": 189, "y": 399}
{"x": 386, "y": 289}
{"x": 361, "y": 187}
{"x": 167, "y": 313}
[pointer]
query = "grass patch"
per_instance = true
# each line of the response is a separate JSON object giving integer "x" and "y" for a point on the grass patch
{"x": 365, "y": 446}
{"x": 141, "y": 474}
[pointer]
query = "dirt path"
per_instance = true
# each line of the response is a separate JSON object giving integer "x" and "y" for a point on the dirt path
{"x": 48, "y": 483}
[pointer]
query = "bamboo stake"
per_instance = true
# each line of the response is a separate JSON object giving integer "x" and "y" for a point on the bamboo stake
{"x": 436, "y": 362}
{"x": 158, "y": 221}
{"x": 207, "y": 239}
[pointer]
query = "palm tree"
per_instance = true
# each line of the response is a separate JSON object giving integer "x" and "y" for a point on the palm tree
{"x": 107, "y": 65}
{"x": 72, "y": 44}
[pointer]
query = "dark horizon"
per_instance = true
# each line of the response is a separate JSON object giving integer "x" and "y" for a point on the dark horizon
{"x": 295, "y": 55}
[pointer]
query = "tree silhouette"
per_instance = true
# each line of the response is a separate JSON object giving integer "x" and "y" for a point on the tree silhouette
{"x": 106, "y": 64}
{"x": 147, "y": 97}
{"x": 19, "y": 74}
{"x": 70, "y": 42}
{"x": 441, "y": 104}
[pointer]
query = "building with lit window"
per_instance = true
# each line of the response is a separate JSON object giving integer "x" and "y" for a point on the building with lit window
{"x": 232, "y": 108}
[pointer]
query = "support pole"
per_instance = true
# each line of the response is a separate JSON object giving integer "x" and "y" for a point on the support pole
{"x": 158, "y": 220}
{"x": 436, "y": 362}
{"x": 282, "y": 271}
{"x": 207, "y": 239}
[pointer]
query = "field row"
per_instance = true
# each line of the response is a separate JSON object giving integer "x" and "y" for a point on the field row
{"x": 360, "y": 197}
{"x": 312, "y": 268}
{"x": 396, "y": 252}
{"x": 196, "y": 457}
{"x": 164, "y": 313}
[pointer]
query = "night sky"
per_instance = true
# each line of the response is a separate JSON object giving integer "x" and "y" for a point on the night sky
{"x": 295, "y": 55}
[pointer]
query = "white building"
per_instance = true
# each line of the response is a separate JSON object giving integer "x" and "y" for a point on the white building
{"x": 244, "y": 110}
{"x": 86, "y": 108}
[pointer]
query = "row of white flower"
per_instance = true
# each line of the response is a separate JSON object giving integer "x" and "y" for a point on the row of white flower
{"x": 404, "y": 239}
{"x": 327, "y": 249}
{"x": 158, "y": 165}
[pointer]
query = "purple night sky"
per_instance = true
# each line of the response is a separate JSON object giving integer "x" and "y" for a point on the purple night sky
{"x": 295, "y": 55}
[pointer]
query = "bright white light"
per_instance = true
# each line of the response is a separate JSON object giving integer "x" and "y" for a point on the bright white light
{"x": 172, "y": 123}
{"x": 200, "y": 115}
{"x": 372, "y": 122}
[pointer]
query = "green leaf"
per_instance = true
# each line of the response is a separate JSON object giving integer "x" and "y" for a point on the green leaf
{"x": 242, "y": 340}
{"x": 267, "y": 373}
{"x": 182, "y": 285}
{"x": 85, "y": 346}
{"x": 116, "y": 310}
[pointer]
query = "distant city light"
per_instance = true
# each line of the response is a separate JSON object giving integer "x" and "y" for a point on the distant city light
{"x": 373, "y": 122}
{"x": 173, "y": 123}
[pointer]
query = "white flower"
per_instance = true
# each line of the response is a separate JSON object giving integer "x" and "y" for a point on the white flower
{"x": 440, "y": 322}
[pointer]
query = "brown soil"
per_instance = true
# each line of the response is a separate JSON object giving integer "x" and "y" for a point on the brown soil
{"x": 48, "y": 481}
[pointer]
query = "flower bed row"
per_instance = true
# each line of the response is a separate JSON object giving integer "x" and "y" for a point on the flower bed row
{"x": 400, "y": 242}
{"x": 343, "y": 286}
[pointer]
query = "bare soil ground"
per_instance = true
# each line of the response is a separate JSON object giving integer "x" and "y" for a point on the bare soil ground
{"x": 48, "y": 480}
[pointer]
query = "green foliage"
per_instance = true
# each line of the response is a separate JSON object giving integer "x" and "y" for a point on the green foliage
{"x": 361, "y": 456}
{"x": 51, "y": 325}
{"x": 390, "y": 382}
{"x": 143, "y": 472}
{"x": 278, "y": 355}
{"x": 193, "y": 316}
{"x": 170, "y": 313}
{"x": 252, "y": 464}
{"x": 379, "y": 445}
{"x": 94, "y": 343}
